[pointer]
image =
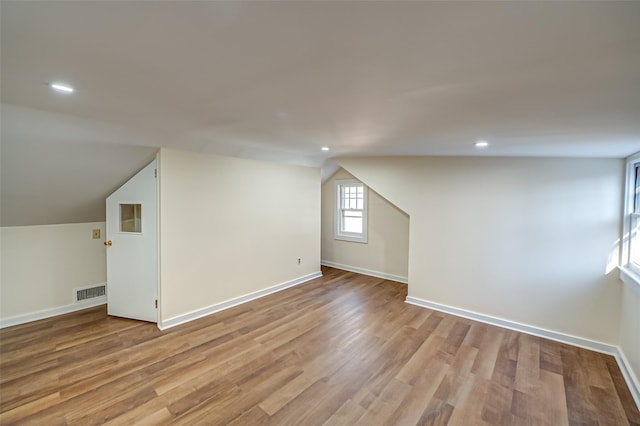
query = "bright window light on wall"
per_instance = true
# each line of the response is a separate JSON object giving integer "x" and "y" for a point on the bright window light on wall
{"x": 325, "y": 148}
{"x": 481, "y": 144}
{"x": 60, "y": 87}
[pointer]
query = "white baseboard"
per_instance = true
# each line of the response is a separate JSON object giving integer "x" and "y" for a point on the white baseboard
{"x": 181, "y": 319}
{"x": 512, "y": 325}
{"x": 627, "y": 372}
{"x": 48, "y": 313}
{"x": 364, "y": 271}
{"x": 615, "y": 351}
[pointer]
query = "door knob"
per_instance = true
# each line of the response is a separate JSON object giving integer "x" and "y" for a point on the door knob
{"x": 108, "y": 243}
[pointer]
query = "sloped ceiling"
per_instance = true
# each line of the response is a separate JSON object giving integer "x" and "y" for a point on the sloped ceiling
{"x": 278, "y": 80}
{"x": 59, "y": 169}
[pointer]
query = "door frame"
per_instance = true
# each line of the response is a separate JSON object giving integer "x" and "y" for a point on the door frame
{"x": 158, "y": 239}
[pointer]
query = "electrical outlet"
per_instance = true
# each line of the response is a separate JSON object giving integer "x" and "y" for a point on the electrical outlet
{"x": 299, "y": 260}
{"x": 96, "y": 234}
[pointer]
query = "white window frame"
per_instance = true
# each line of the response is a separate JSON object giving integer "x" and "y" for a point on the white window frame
{"x": 630, "y": 270}
{"x": 339, "y": 233}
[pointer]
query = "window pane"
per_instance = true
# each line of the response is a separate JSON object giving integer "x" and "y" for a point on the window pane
{"x": 353, "y": 224}
{"x": 352, "y": 213}
{"x": 636, "y": 197}
{"x": 130, "y": 218}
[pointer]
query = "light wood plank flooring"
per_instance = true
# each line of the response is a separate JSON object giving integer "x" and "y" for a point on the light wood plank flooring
{"x": 341, "y": 350}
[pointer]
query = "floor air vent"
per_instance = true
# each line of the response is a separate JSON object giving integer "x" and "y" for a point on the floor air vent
{"x": 90, "y": 292}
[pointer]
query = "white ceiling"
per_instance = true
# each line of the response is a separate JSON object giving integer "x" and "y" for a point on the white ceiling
{"x": 278, "y": 80}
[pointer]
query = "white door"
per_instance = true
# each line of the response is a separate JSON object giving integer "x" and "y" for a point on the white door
{"x": 132, "y": 248}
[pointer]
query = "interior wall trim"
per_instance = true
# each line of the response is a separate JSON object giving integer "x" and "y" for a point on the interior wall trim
{"x": 217, "y": 307}
{"x": 625, "y": 367}
{"x": 52, "y": 312}
{"x": 364, "y": 271}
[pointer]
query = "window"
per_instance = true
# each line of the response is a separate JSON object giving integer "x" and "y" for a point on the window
{"x": 130, "y": 218}
{"x": 631, "y": 240}
{"x": 351, "y": 211}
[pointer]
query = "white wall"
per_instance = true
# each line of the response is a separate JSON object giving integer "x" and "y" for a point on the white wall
{"x": 230, "y": 227}
{"x": 387, "y": 249}
{"x": 40, "y": 266}
{"x": 527, "y": 240}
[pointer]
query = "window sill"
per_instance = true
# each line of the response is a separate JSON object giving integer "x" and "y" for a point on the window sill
{"x": 351, "y": 239}
{"x": 630, "y": 277}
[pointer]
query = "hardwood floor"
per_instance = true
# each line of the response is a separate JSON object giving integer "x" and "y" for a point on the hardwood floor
{"x": 341, "y": 350}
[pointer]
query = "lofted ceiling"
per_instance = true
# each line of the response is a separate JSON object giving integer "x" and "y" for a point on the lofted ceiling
{"x": 279, "y": 80}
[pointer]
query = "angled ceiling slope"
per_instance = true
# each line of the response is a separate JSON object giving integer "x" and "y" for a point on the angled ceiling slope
{"x": 59, "y": 169}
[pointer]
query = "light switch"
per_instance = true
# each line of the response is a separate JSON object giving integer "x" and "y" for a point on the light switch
{"x": 96, "y": 234}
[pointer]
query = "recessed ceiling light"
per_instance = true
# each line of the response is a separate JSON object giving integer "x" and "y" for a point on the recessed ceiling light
{"x": 61, "y": 87}
{"x": 481, "y": 144}
{"x": 325, "y": 148}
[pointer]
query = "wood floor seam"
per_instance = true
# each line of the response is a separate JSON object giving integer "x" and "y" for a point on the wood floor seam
{"x": 342, "y": 349}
